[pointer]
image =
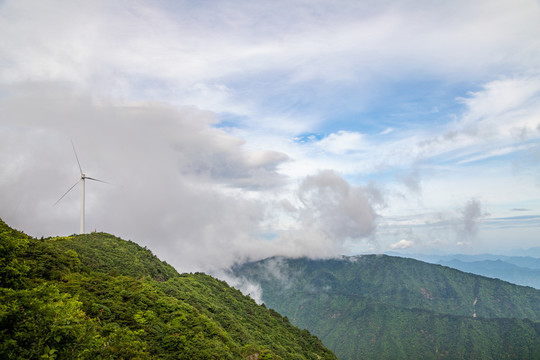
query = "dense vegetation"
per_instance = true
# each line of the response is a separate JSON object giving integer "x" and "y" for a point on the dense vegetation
{"x": 381, "y": 307}
{"x": 99, "y": 297}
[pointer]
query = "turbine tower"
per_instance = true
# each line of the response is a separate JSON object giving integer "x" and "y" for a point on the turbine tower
{"x": 82, "y": 180}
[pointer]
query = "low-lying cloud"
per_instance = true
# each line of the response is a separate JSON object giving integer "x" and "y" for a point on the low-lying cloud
{"x": 192, "y": 110}
{"x": 185, "y": 188}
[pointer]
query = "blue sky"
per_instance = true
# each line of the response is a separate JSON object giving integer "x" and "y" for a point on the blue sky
{"x": 238, "y": 130}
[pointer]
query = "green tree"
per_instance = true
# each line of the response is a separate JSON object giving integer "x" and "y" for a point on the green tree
{"x": 12, "y": 245}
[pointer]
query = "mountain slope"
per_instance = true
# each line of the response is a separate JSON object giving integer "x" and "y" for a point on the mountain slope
{"x": 99, "y": 297}
{"x": 105, "y": 253}
{"x": 378, "y": 307}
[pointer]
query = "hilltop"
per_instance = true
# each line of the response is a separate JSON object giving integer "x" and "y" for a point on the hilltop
{"x": 96, "y": 296}
{"x": 381, "y": 307}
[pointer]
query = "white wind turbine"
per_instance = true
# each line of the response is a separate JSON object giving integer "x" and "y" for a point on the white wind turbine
{"x": 81, "y": 180}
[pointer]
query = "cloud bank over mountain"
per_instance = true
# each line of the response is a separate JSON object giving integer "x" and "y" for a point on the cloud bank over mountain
{"x": 286, "y": 128}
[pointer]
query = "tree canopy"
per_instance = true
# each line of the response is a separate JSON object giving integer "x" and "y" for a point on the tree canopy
{"x": 97, "y": 296}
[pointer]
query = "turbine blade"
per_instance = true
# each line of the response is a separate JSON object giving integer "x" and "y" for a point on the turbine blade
{"x": 80, "y": 168}
{"x": 91, "y": 178}
{"x": 57, "y": 201}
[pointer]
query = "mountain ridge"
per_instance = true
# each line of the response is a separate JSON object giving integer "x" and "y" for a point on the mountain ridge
{"x": 519, "y": 270}
{"x": 96, "y": 296}
{"x": 377, "y": 306}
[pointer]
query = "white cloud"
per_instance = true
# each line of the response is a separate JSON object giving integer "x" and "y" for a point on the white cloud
{"x": 188, "y": 190}
{"x": 471, "y": 215}
{"x": 343, "y": 142}
{"x": 177, "y": 175}
{"x": 141, "y": 49}
{"x": 402, "y": 244}
{"x": 498, "y": 152}
{"x": 339, "y": 210}
{"x": 386, "y": 131}
{"x": 142, "y": 87}
{"x": 503, "y": 108}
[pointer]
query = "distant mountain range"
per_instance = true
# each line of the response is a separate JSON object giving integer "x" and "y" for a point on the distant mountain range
{"x": 386, "y": 307}
{"x": 520, "y": 270}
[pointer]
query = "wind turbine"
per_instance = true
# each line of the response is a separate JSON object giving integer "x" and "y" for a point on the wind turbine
{"x": 82, "y": 180}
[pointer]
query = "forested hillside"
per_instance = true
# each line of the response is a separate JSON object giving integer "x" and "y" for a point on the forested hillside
{"x": 381, "y": 307}
{"x": 99, "y": 297}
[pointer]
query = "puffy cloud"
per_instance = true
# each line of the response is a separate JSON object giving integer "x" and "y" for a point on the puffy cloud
{"x": 467, "y": 227}
{"x": 336, "y": 208}
{"x": 181, "y": 184}
{"x": 412, "y": 180}
{"x": 402, "y": 244}
{"x": 183, "y": 187}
